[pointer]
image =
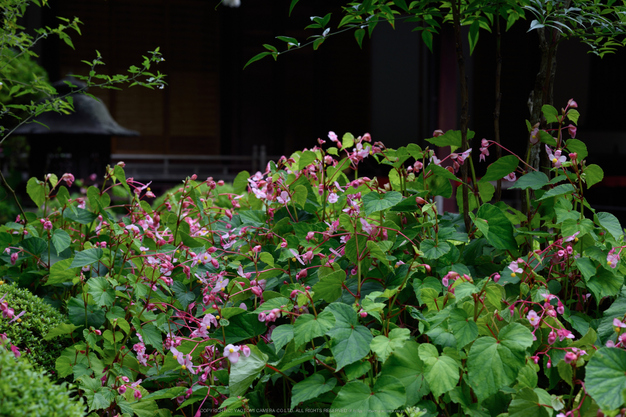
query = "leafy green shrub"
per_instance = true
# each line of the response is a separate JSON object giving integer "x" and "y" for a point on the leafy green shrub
{"x": 28, "y": 392}
{"x": 28, "y": 332}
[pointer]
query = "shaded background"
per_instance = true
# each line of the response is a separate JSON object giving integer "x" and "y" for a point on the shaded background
{"x": 393, "y": 87}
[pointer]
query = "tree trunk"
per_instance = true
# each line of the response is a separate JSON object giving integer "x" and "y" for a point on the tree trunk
{"x": 464, "y": 107}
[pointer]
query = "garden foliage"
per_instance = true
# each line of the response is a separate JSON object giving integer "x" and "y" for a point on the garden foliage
{"x": 29, "y": 331}
{"x": 26, "y": 391}
{"x": 309, "y": 286}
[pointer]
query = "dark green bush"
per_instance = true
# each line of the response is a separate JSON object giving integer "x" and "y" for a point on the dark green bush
{"x": 25, "y": 391}
{"x": 29, "y": 331}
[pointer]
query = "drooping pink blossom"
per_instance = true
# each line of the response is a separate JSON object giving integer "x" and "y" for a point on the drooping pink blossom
{"x": 533, "y": 318}
{"x": 231, "y": 352}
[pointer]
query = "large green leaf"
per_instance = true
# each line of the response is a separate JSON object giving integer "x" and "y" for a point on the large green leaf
{"x": 76, "y": 311}
{"x": 34, "y": 245}
{"x": 246, "y": 370}
{"x": 558, "y": 190}
{"x": 101, "y": 291}
{"x": 434, "y": 250}
{"x": 611, "y": 223}
{"x": 593, "y": 174}
{"x": 464, "y": 330}
{"x": 442, "y": 372}
{"x": 356, "y": 398}
{"x": 533, "y": 180}
{"x": 61, "y": 240}
{"x": 242, "y": 327}
{"x": 307, "y": 327}
{"x": 86, "y": 257}
{"x": 151, "y": 336}
{"x": 328, "y": 288}
{"x": 240, "y": 184}
{"x": 282, "y": 335}
{"x": 404, "y": 363}
{"x": 451, "y": 138}
{"x": 605, "y": 283}
{"x": 97, "y": 396}
{"x": 36, "y": 192}
{"x": 578, "y": 146}
{"x": 350, "y": 341}
{"x": 496, "y": 227}
{"x": 374, "y": 202}
{"x": 605, "y": 377}
{"x": 501, "y": 168}
{"x": 63, "y": 328}
{"x": 310, "y": 388}
{"x": 79, "y": 215}
{"x": 527, "y": 403}
{"x": 61, "y": 272}
{"x": 384, "y": 346}
{"x": 355, "y": 247}
{"x": 306, "y": 158}
{"x": 493, "y": 364}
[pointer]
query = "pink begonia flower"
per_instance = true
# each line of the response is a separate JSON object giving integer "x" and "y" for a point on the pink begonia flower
{"x": 333, "y": 198}
{"x": 612, "y": 259}
{"x": 283, "y": 198}
{"x": 564, "y": 334}
{"x": 220, "y": 285}
{"x": 231, "y": 352}
{"x": 511, "y": 177}
{"x": 484, "y": 150}
{"x": 183, "y": 360}
{"x": 68, "y": 178}
{"x": 618, "y": 325}
{"x": 16, "y": 351}
{"x": 245, "y": 350}
{"x": 246, "y": 275}
{"x": 552, "y": 337}
{"x": 533, "y": 318}
{"x": 556, "y": 158}
{"x": 572, "y": 130}
{"x": 572, "y": 237}
{"x": 570, "y": 357}
{"x": 514, "y": 267}
{"x": 297, "y": 256}
{"x": 571, "y": 103}
{"x": 463, "y": 156}
{"x": 367, "y": 228}
{"x": 534, "y": 135}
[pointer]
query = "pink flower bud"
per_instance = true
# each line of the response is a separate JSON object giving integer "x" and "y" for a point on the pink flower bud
{"x": 570, "y": 357}
{"x": 245, "y": 350}
{"x": 552, "y": 337}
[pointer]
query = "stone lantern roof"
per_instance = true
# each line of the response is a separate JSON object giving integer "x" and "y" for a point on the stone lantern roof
{"x": 91, "y": 117}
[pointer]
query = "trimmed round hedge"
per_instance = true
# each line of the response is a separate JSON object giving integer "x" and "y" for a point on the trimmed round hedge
{"x": 26, "y": 391}
{"x": 29, "y": 331}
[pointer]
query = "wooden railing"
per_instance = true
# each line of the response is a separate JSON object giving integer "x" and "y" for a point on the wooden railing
{"x": 174, "y": 168}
